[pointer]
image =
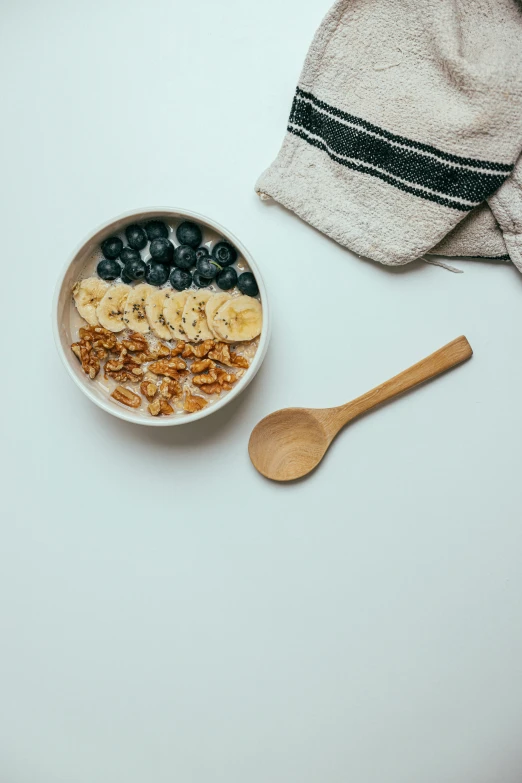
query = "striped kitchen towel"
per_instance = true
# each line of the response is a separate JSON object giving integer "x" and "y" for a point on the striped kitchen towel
{"x": 406, "y": 128}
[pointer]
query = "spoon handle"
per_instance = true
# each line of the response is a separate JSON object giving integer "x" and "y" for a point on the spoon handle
{"x": 444, "y": 359}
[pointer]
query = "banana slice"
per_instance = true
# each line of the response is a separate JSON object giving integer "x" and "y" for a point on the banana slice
{"x": 194, "y": 320}
{"x": 134, "y": 315}
{"x": 212, "y": 306}
{"x": 154, "y": 308}
{"x": 112, "y": 307}
{"x": 173, "y": 313}
{"x": 239, "y": 319}
{"x": 87, "y": 295}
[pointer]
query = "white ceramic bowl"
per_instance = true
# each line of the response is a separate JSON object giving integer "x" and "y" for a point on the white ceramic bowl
{"x": 62, "y": 315}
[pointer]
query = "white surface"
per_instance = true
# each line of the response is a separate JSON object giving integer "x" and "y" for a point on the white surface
{"x": 165, "y": 613}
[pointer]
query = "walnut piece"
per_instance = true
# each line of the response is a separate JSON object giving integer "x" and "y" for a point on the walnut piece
{"x": 201, "y": 365}
{"x": 170, "y": 388}
{"x": 215, "y": 381}
{"x": 113, "y": 365}
{"x": 194, "y": 403}
{"x": 84, "y": 351}
{"x": 222, "y": 353}
{"x": 199, "y": 351}
{"x": 180, "y": 347}
{"x": 239, "y": 361}
{"x": 124, "y": 369}
{"x": 213, "y": 388}
{"x": 136, "y": 342}
{"x": 154, "y": 408}
{"x": 100, "y": 337}
{"x": 152, "y": 354}
{"x": 165, "y": 408}
{"x": 149, "y": 390}
{"x": 162, "y": 351}
{"x": 224, "y": 377}
{"x": 92, "y": 347}
{"x": 145, "y": 356}
{"x": 160, "y": 406}
{"x": 223, "y": 381}
{"x": 127, "y": 397}
{"x": 216, "y": 377}
{"x": 206, "y": 377}
{"x": 169, "y": 367}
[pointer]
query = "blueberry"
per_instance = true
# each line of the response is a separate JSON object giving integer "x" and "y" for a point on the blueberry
{"x": 135, "y": 269}
{"x": 162, "y": 249}
{"x": 156, "y": 273}
{"x": 184, "y": 257}
{"x": 108, "y": 269}
{"x": 206, "y": 267}
{"x": 128, "y": 254}
{"x": 180, "y": 279}
{"x": 224, "y": 253}
{"x": 112, "y": 247}
{"x": 227, "y": 278}
{"x": 125, "y": 278}
{"x": 155, "y": 229}
{"x": 247, "y": 284}
{"x": 136, "y": 236}
{"x": 200, "y": 281}
{"x": 201, "y": 252}
{"x": 189, "y": 234}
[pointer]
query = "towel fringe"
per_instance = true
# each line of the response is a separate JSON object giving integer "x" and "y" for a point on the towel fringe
{"x": 450, "y": 268}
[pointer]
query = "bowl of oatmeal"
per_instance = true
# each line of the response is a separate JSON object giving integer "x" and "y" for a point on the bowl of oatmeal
{"x": 161, "y": 316}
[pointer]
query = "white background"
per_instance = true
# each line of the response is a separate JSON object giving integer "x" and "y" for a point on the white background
{"x": 165, "y": 613}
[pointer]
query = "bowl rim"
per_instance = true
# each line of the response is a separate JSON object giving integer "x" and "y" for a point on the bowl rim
{"x": 166, "y": 421}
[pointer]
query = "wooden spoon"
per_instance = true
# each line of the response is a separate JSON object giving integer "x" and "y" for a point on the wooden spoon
{"x": 289, "y": 443}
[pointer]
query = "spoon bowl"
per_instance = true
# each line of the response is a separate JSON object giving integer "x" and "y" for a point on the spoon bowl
{"x": 290, "y": 443}
{"x": 298, "y": 444}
